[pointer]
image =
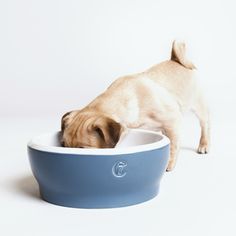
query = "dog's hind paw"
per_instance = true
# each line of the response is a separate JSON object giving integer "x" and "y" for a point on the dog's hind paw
{"x": 203, "y": 149}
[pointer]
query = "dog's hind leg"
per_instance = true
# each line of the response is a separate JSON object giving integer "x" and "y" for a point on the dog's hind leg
{"x": 201, "y": 110}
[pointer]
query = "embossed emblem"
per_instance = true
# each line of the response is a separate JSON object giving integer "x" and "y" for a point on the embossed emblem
{"x": 119, "y": 169}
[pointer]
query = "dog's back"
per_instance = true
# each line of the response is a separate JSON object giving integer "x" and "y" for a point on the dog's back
{"x": 176, "y": 75}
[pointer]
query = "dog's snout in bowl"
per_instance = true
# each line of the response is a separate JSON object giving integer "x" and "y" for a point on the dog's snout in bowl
{"x": 99, "y": 178}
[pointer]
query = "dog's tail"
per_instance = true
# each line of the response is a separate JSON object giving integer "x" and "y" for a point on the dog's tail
{"x": 178, "y": 55}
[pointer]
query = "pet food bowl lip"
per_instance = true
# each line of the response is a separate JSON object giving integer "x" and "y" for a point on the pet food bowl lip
{"x": 164, "y": 141}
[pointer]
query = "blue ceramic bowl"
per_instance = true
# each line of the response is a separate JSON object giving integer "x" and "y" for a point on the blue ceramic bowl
{"x": 100, "y": 178}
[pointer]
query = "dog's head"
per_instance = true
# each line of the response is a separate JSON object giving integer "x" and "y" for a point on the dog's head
{"x": 86, "y": 129}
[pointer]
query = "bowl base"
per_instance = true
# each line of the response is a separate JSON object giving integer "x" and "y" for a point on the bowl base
{"x": 90, "y": 202}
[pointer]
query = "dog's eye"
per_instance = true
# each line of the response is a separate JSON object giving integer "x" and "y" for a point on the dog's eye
{"x": 81, "y": 147}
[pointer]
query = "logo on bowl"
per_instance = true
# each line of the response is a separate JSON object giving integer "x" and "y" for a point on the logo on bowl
{"x": 119, "y": 169}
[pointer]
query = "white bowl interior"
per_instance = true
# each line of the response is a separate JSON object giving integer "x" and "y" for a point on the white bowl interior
{"x": 138, "y": 137}
{"x": 133, "y": 140}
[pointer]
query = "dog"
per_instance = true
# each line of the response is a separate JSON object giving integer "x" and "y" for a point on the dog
{"x": 154, "y": 99}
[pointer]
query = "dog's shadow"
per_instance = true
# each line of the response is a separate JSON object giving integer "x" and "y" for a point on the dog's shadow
{"x": 190, "y": 149}
{"x": 27, "y": 186}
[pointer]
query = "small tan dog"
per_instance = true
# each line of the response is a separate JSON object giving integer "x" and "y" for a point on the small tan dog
{"x": 154, "y": 99}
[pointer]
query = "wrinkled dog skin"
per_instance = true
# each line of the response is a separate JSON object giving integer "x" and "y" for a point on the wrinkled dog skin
{"x": 154, "y": 99}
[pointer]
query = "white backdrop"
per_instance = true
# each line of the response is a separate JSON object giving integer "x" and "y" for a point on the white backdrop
{"x": 58, "y": 55}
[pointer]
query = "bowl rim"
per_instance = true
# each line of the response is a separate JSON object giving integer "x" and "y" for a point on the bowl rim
{"x": 101, "y": 151}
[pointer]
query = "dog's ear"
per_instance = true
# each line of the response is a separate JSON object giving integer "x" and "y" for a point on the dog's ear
{"x": 108, "y": 131}
{"x": 66, "y": 118}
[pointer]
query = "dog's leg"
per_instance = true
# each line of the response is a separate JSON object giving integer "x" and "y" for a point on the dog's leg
{"x": 172, "y": 132}
{"x": 201, "y": 110}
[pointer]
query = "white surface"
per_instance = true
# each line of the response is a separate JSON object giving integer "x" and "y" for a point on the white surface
{"x": 197, "y": 198}
{"x": 56, "y": 56}
{"x": 133, "y": 141}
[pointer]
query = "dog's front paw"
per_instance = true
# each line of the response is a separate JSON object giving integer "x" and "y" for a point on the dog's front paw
{"x": 203, "y": 148}
{"x": 171, "y": 166}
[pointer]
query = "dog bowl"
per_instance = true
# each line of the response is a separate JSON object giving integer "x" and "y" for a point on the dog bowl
{"x": 99, "y": 178}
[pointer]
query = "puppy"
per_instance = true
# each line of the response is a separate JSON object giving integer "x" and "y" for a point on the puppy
{"x": 154, "y": 99}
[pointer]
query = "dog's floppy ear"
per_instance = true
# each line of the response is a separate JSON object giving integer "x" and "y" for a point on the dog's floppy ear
{"x": 108, "y": 131}
{"x": 66, "y": 118}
